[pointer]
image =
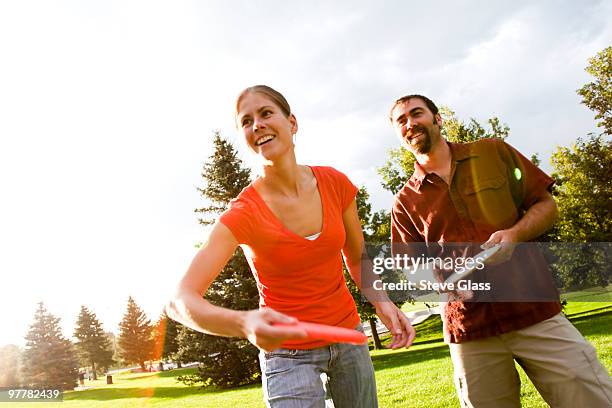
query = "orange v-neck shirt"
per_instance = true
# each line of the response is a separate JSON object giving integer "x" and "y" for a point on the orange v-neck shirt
{"x": 296, "y": 276}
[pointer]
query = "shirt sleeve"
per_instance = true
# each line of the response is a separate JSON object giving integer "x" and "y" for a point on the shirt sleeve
{"x": 237, "y": 219}
{"x": 402, "y": 229}
{"x": 527, "y": 181}
{"x": 346, "y": 190}
{"x": 405, "y": 239}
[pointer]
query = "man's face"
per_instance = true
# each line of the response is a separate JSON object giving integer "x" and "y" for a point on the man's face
{"x": 416, "y": 125}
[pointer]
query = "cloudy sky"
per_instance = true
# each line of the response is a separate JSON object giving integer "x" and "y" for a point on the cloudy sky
{"x": 107, "y": 111}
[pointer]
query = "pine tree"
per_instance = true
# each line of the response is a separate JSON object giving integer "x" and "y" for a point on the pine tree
{"x": 113, "y": 342}
{"x": 229, "y": 362}
{"x": 135, "y": 340}
{"x": 225, "y": 362}
{"x": 224, "y": 177}
{"x": 376, "y": 231}
{"x": 170, "y": 341}
{"x": 49, "y": 359}
{"x": 93, "y": 345}
{"x": 165, "y": 333}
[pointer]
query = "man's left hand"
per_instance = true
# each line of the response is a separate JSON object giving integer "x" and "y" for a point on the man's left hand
{"x": 507, "y": 240}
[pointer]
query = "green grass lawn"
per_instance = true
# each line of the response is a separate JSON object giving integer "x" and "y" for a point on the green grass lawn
{"x": 416, "y": 306}
{"x": 422, "y": 376}
{"x": 418, "y": 377}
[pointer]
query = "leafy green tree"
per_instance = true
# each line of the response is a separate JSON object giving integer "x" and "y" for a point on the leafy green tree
{"x": 49, "y": 359}
{"x": 400, "y": 162}
{"x": 456, "y": 131}
{"x": 9, "y": 366}
{"x": 583, "y": 192}
{"x": 135, "y": 341}
{"x": 225, "y": 362}
{"x": 597, "y": 95}
{"x": 397, "y": 169}
{"x": 93, "y": 345}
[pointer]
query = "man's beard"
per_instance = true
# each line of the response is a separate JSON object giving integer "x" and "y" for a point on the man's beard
{"x": 422, "y": 146}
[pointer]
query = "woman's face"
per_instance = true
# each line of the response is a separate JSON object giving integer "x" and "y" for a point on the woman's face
{"x": 268, "y": 132}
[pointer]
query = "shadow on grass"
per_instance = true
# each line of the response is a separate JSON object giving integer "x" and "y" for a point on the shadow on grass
{"x": 594, "y": 324}
{"x": 430, "y": 341}
{"x": 108, "y": 394}
{"x": 591, "y": 312}
{"x": 409, "y": 357}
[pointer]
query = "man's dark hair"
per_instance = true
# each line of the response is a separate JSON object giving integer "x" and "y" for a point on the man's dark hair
{"x": 430, "y": 104}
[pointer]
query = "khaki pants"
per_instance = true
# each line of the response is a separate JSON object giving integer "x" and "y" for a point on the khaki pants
{"x": 562, "y": 365}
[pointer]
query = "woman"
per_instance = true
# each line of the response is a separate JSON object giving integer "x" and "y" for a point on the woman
{"x": 294, "y": 223}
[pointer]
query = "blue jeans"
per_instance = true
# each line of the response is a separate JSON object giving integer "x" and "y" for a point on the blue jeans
{"x": 293, "y": 378}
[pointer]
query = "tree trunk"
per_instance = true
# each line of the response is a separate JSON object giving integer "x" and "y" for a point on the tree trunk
{"x": 93, "y": 370}
{"x": 375, "y": 337}
{"x": 142, "y": 366}
{"x": 178, "y": 364}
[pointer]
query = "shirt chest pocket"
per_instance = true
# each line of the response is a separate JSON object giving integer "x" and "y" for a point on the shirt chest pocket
{"x": 474, "y": 185}
{"x": 488, "y": 200}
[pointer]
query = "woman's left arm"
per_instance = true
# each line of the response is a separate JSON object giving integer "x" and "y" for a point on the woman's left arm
{"x": 361, "y": 270}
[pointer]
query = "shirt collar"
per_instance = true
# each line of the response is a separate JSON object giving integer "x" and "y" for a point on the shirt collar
{"x": 459, "y": 152}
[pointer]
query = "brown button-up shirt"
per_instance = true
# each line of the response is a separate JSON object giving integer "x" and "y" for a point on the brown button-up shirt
{"x": 491, "y": 186}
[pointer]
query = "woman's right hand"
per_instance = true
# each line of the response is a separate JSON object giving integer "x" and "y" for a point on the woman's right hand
{"x": 259, "y": 329}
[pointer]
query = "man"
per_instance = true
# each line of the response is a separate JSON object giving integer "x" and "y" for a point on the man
{"x": 486, "y": 192}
